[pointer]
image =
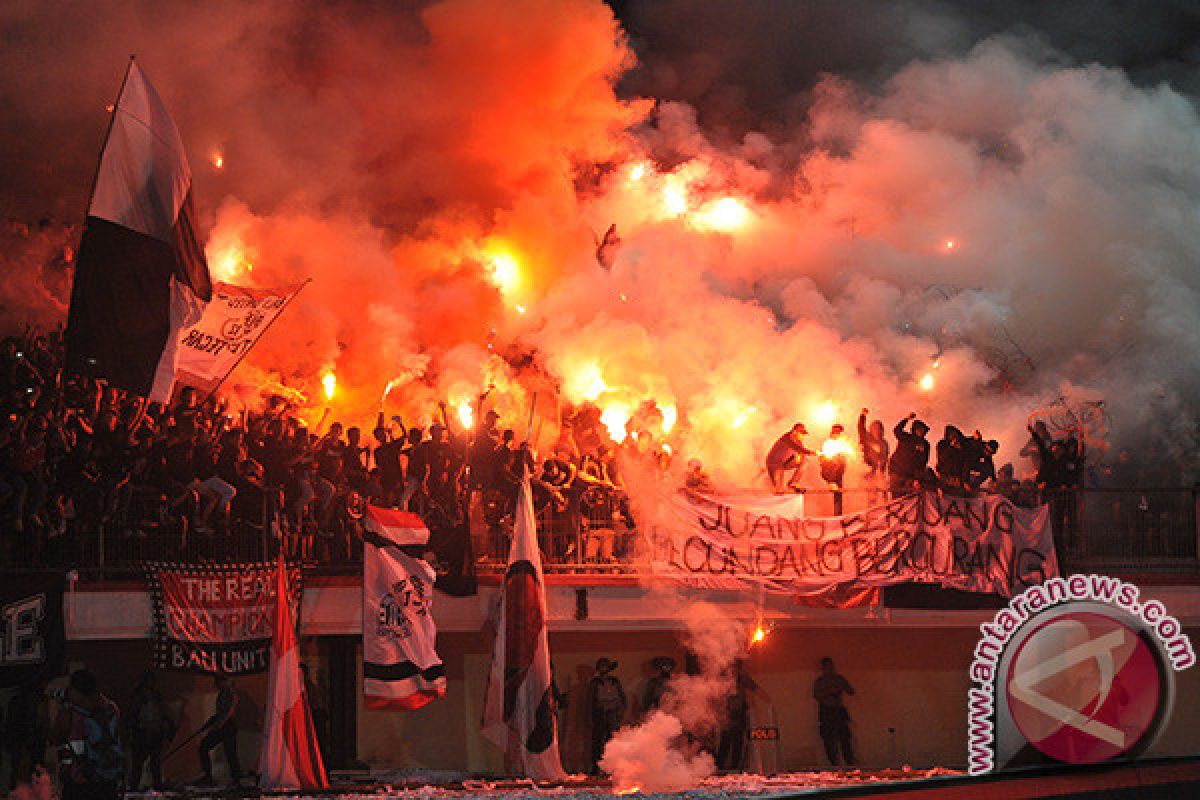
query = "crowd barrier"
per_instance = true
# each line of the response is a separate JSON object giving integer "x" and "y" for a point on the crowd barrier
{"x": 595, "y": 532}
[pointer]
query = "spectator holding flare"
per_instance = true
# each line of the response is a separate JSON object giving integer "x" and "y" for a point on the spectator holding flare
{"x": 482, "y": 452}
{"x": 389, "y": 461}
{"x": 785, "y": 459}
{"x": 832, "y": 459}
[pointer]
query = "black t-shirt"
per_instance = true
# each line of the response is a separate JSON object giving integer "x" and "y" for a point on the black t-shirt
{"x": 388, "y": 459}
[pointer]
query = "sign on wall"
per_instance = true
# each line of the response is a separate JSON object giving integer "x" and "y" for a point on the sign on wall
{"x": 34, "y": 639}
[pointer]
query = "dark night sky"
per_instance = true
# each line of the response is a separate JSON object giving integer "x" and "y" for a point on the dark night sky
{"x": 748, "y": 63}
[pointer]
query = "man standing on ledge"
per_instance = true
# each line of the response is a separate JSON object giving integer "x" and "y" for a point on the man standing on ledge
{"x": 832, "y": 717}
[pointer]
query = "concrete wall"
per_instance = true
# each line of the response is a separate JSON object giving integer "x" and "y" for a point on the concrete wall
{"x": 909, "y": 706}
{"x": 909, "y": 669}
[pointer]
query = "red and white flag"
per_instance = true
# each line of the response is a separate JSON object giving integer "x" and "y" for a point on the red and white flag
{"x": 401, "y": 667}
{"x": 520, "y": 712}
{"x": 290, "y": 757}
{"x": 395, "y": 527}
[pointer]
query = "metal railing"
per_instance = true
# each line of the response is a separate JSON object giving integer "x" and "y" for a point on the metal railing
{"x": 592, "y": 532}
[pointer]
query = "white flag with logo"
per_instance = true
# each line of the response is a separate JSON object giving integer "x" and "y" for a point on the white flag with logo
{"x": 401, "y": 667}
{"x": 231, "y": 324}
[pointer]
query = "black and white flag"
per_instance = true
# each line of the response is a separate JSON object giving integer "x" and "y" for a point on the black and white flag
{"x": 401, "y": 667}
{"x": 141, "y": 277}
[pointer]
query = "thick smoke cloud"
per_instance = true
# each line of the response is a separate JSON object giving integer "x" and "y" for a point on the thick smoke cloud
{"x": 661, "y": 753}
{"x": 982, "y": 209}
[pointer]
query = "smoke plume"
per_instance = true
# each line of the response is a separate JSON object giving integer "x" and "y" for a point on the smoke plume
{"x": 661, "y": 753}
{"x": 975, "y": 226}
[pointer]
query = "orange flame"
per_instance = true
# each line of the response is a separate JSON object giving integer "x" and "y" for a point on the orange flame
{"x": 743, "y": 416}
{"x": 506, "y": 272}
{"x": 926, "y": 382}
{"x": 825, "y": 414}
{"x": 228, "y": 259}
{"x": 218, "y": 160}
{"x": 586, "y": 383}
{"x": 838, "y": 446}
{"x": 670, "y": 416}
{"x": 466, "y": 414}
{"x": 615, "y": 418}
{"x": 675, "y": 196}
{"x": 725, "y": 215}
{"x": 329, "y": 382}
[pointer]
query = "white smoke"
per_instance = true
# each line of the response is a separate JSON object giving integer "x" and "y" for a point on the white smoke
{"x": 662, "y": 752}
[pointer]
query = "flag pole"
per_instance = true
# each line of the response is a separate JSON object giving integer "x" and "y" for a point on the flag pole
{"x": 112, "y": 119}
{"x": 529, "y": 424}
{"x": 266, "y": 328}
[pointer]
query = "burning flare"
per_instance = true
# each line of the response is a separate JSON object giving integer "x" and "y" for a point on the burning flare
{"x": 392, "y": 384}
{"x": 616, "y": 417}
{"x": 726, "y": 215}
{"x": 670, "y": 415}
{"x": 825, "y": 414}
{"x": 836, "y": 446}
{"x": 329, "y": 382}
{"x": 466, "y": 414}
{"x": 586, "y": 383}
{"x": 743, "y": 416}
{"x": 675, "y": 196}
{"x": 505, "y": 272}
{"x": 229, "y": 260}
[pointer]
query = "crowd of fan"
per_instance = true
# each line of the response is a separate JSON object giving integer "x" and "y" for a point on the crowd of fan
{"x": 79, "y": 460}
{"x": 960, "y": 464}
